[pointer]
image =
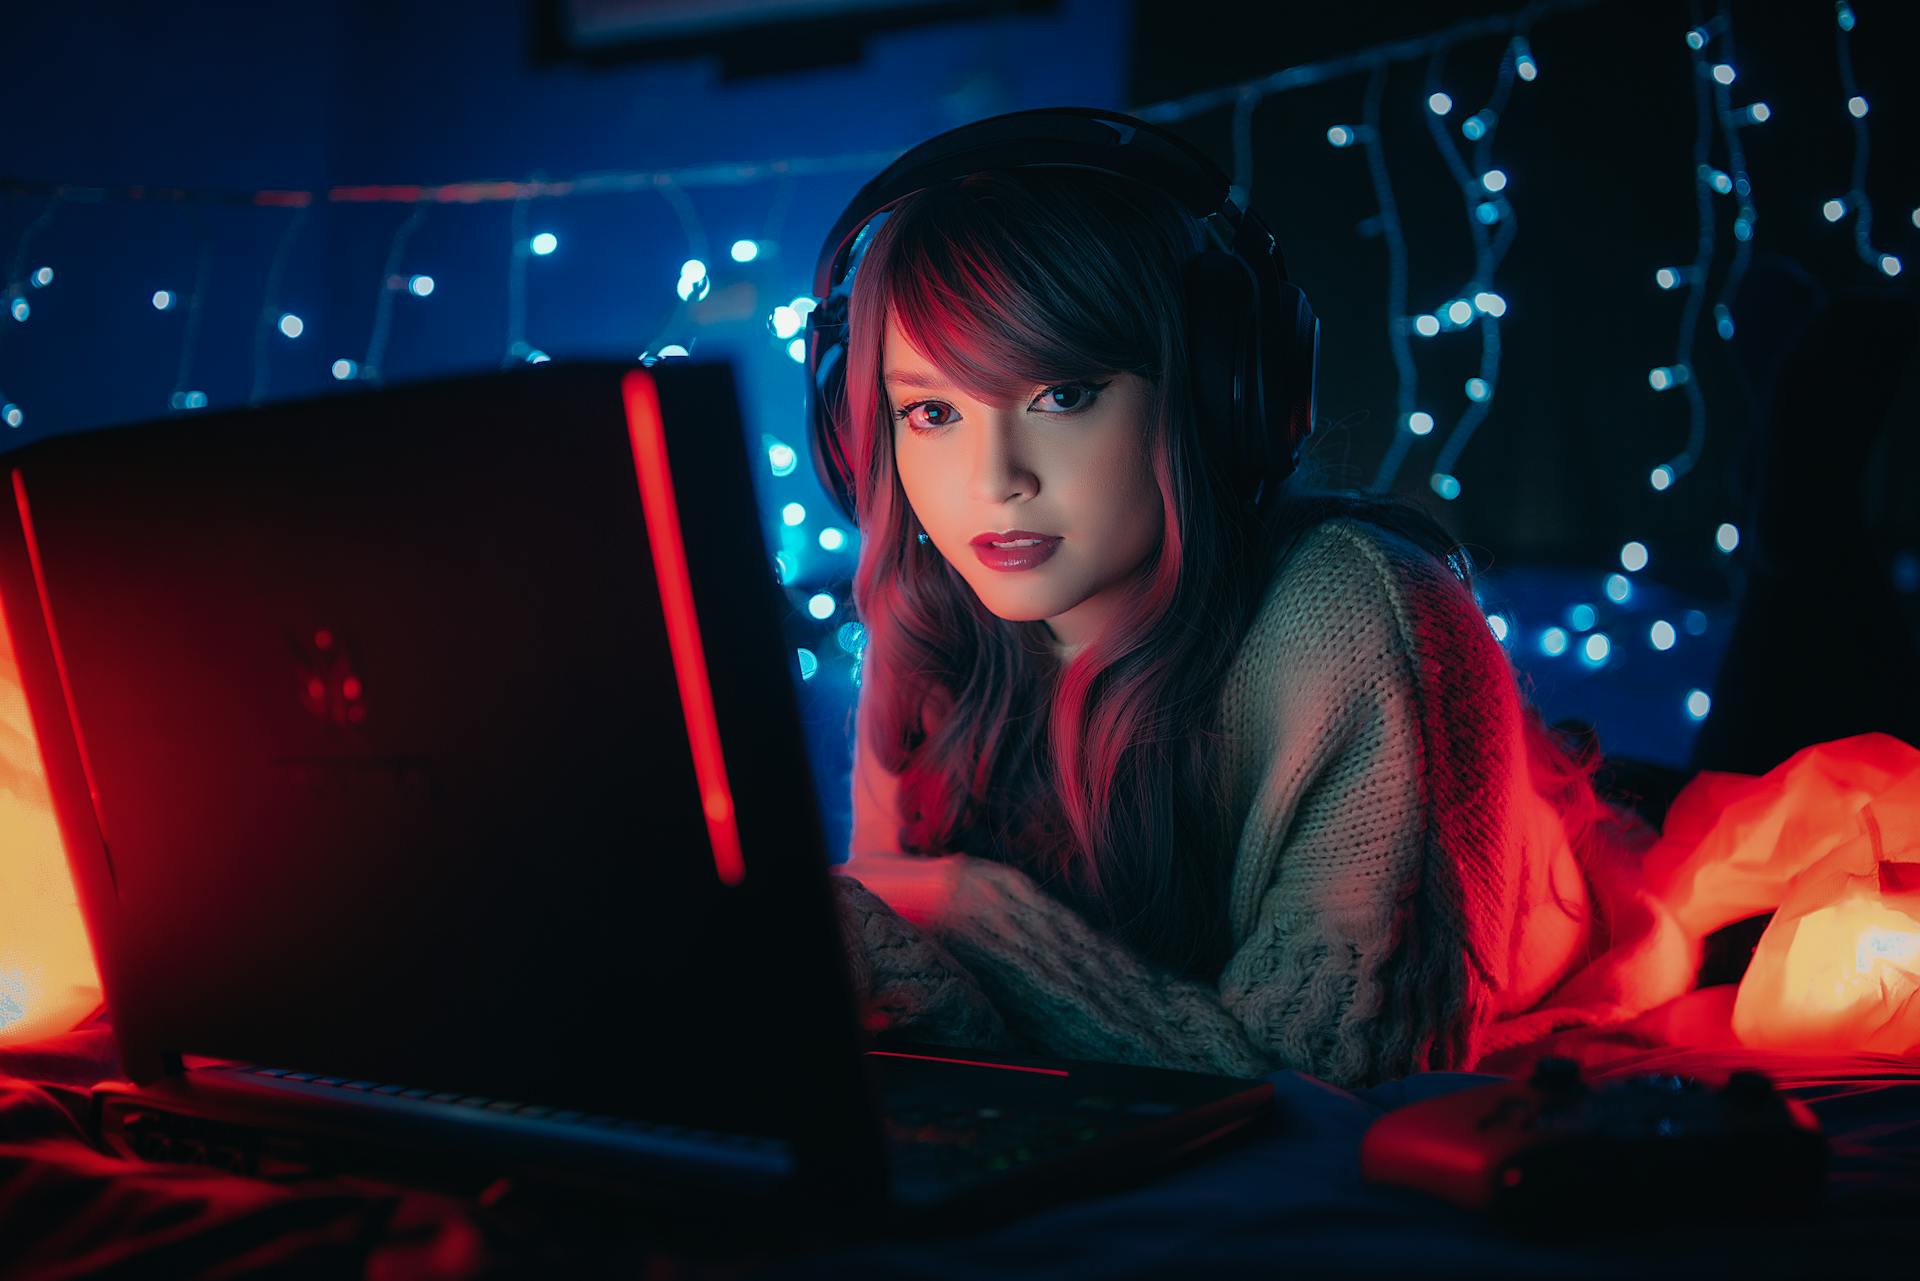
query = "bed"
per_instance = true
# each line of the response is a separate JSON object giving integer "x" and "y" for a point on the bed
{"x": 1292, "y": 1201}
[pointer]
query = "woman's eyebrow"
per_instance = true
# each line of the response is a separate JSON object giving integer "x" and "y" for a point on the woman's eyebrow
{"x": 914, "y": 378}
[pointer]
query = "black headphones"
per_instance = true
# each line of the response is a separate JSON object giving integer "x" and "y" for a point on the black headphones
{"x": 1252, "y": 340}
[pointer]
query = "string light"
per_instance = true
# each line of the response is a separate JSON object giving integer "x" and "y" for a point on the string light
{"x": 1856, "y": 198}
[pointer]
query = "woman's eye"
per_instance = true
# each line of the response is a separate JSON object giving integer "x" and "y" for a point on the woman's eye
{"x": 1068, "y": 396}
{"x": 931, "y": 406}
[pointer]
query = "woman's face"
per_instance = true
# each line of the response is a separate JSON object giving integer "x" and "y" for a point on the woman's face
{"x": 1066, "y": 460}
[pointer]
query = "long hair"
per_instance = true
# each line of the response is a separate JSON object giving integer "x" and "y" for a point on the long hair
{"x": 1098, "y": 776}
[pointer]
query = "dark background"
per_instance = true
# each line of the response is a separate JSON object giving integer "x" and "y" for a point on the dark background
{"x": 199, "y": 105}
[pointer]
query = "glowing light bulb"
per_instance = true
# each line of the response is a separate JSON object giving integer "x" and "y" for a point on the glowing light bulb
{"x": 292, "y": 326}
{"x": 544, "y": 243}
{"x": 798, "y": 350}
{"x": 344, "y": 369}
{"x": 1419, "y": 422}
{"x": 1439, "y": 104}
{"x": 162, "y": 300}
{"x": 1857, "y": 107}
{"x": 1661, "y": 477}
{"x": 420, "y": 286}
{"x": 1426, "y": 326}
{"x": 1661, "y": 635}
{"x": 1727, "y": 537}
{"x": 1494, "y": 180}
{"x": 782, "y": 460}
{"x": 1523, "y": 64}
{"x": 745, "y": 250}
{"x": 1477, "y": 389}
{"x": 1698, "y": 704}
{"x": 1553, "y": 642}
{"x": 1448, "y": 487}
{"x": 820, "y": 605}
{"x": 1723, "y": 73}
{"x": 832, "y": 539}
{"x": 1834, "y": 210}
{"x": 1596, "y": 648}
{"x": 43, "y": 277}
{"x": 793, "y": 513}
{"x": 1460, "y": 312}
{"x": 1664, "y": 377}
{"x": 1633, "y": 557}
{"x": 1340, "y": 136}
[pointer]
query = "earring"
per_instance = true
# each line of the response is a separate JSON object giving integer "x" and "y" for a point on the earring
{"x": 923, "y": 537}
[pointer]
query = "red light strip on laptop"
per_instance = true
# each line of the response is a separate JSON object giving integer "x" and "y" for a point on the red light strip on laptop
{"x": 53, "y": 635}
{"x": 646, "y": 428}
{"x": 1004, "y": 1067}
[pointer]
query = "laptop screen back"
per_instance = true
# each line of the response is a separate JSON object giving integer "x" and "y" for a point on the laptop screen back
{"x": 383, "y": 764}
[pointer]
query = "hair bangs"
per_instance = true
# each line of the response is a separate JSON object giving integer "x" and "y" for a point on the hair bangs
{"x": 976, "y": 289}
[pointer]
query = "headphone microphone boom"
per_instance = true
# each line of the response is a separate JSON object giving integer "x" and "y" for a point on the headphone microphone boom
{"x": 1252, "y": 339}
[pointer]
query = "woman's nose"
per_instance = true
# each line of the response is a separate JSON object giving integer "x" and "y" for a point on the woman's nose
{"x": 998, "y": 467}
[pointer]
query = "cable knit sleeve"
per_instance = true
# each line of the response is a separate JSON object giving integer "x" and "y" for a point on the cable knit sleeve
{"x": 1376, "y": 722}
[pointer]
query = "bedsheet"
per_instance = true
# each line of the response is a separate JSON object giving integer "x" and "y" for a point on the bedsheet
{"x": 1291, "y": 1200}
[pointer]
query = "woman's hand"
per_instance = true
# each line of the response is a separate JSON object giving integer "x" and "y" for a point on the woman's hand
{"x": 919, "y": 889}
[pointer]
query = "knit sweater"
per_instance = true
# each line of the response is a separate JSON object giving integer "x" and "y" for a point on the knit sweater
{"x": 1404, "y": 893}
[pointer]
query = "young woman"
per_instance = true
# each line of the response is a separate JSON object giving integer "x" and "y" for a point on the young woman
{"x": 1187, "y": 784}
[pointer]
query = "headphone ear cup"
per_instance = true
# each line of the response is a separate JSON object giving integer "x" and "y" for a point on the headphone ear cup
{"x": 826, "y": 403}
{"x": 1292, "y": 338}
{"x": 1222, "y": 357}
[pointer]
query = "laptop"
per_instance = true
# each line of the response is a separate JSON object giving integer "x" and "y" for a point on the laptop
{"x": 430, "y": 765}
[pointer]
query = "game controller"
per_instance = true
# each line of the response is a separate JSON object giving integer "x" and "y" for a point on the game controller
{"x": 1642, "y": 1148}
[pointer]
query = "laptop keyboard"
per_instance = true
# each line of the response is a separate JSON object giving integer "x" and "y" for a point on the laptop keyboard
{"x": 744, "y": 1147}
{"x": 953, "y": 1138}
{"x": 937, "y": 1136}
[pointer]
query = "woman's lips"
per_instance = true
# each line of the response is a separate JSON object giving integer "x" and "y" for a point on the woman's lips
{"x": 1015, "y": 558}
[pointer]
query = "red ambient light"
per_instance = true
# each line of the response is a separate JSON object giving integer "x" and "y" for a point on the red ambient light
{"x": 1004, "y": 1067}
{"x": 646, "y": 430}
